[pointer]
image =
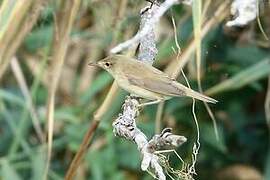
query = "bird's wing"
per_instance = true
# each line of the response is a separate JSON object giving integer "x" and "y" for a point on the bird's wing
{"x": 152, "y": 79}
{"x": 155, "y": 81}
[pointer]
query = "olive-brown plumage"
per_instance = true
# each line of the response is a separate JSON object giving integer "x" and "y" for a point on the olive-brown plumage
{"x": 146, "y": 81}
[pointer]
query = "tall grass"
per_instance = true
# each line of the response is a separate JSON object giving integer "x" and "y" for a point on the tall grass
{"x": 46, "y": 84}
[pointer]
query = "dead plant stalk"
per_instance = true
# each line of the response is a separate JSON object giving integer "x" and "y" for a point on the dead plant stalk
{"x": 63, "y": 24}
{"x": 21, "y": 22}
{"x": 89, "y": 134}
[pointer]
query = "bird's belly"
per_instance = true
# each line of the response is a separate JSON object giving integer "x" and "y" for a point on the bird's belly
{"x": 141, "y": 92}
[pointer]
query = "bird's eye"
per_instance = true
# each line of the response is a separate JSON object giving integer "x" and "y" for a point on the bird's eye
{"x": 107, "y": 64}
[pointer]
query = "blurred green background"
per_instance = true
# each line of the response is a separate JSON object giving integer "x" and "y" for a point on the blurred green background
{"x": 235, "y": 71}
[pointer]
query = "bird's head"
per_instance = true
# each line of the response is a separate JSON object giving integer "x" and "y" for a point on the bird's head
{"x": 107, "y": 63}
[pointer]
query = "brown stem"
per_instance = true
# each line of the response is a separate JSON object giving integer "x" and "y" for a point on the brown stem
{"x": 83, "y": 148}
{"x": 89, "y": 135}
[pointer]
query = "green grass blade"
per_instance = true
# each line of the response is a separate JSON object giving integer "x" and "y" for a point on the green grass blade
{"x": 247, "y": 76}
{"x": 8, "y": 96}
{"x": 8, "y": 172}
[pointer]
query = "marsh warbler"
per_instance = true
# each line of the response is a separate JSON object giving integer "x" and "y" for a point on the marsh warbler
{"x": 146, "y": 81}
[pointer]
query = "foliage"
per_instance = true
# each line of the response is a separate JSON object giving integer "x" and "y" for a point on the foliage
{"x": 235, "y": 67}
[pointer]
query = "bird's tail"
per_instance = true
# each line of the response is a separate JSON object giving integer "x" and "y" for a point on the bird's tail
{"x": 191, "y": 93}
{"x": 199, "y": 96}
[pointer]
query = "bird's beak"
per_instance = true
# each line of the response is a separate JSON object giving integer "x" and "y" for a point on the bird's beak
{"x": 92, "y": 64}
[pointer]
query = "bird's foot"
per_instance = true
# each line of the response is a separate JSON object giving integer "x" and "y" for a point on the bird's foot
{"x": 150, "y": 103}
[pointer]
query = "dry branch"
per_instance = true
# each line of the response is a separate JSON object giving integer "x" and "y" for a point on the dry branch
{"x": 125, "y": 126}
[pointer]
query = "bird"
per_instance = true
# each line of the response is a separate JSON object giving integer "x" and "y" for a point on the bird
{"x": 146, "y": 81}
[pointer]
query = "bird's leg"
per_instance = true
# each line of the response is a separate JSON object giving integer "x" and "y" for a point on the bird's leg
{"x": 151, "y": 102}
